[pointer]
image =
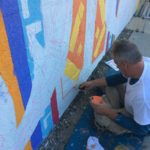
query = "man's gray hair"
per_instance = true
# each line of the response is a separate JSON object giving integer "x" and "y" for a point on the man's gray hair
{"x": 124, "y": 50}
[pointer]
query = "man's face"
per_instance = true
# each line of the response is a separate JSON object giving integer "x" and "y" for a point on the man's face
{"x": 123, "y": 67}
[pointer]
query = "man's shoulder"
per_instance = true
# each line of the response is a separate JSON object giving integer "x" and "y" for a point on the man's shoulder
{"x": 147, "y": 59}
{"x": 147, "y": 62}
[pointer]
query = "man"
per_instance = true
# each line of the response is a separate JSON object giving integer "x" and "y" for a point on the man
{"x": 135, "y": 72}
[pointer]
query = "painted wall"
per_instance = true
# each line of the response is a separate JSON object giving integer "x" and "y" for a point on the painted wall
{"x": 47, "y": 48}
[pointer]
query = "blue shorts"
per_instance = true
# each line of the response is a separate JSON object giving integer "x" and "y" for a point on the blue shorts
{"x": 131, "y": 125}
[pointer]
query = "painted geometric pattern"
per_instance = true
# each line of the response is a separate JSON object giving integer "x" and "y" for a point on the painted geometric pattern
{"x": 11, "y": 78}
{"x": 7, "y": 72}
{"x": 100, "y": 30}
{"x": 117, "y": 7}
{"x": 76, "y": 46}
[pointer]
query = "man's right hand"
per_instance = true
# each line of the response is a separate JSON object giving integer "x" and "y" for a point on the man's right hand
{"x": 87, "y": 85}
{"x": 93, "y": 83}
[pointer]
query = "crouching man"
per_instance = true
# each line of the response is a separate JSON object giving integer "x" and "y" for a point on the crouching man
{"x": 128, "y": 107}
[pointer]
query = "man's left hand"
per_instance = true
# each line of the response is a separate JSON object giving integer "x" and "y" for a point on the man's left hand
{"x": 101, "y": 108}
{"x": 104, "y": 109}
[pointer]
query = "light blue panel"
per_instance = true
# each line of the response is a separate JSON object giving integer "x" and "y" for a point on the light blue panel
{"x": 46, "y": 122}
{"x": 32, "y": 8}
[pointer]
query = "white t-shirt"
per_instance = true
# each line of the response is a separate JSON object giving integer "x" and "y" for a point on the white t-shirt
{"x": 137, "y": 96}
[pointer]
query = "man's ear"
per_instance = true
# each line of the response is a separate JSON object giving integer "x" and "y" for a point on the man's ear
{"x": 125, "y": 64}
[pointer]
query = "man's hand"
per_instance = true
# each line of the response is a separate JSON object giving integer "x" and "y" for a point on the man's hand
{"x": 104, "y": 109}
{"x": 94, "y": 83}
{"x": 100, "y": 108}
{"x": 87, "y": 85}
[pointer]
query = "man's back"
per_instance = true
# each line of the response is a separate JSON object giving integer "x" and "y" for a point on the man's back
{"x": 137, "y": 98}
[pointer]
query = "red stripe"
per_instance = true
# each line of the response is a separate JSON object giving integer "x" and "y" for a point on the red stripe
{"x": 54, "y": 108}
{"x": 107, "y": 46}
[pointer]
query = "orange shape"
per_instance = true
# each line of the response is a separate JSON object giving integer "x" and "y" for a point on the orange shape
{"x": 97, "y": 99}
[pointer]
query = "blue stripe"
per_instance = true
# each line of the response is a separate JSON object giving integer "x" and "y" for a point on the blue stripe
{"x": 14, "y": 31}
{"x": 36, "y": 137}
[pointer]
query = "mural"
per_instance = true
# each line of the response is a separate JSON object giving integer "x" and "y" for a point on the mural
{"x": 46, "y": 48}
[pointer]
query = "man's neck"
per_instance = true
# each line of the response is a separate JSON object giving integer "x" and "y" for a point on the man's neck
{"x": 137, "y": 70}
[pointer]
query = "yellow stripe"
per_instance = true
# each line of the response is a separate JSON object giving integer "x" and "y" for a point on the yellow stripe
{"x": 28, "y": 146}
{"x": 97, "y": 33}
{"x": 71, "y": 70}
{"x": 76, "y": 27}
{"x": 102, "y": 10}
{"x": 99, "y": 41}
{"x": 80, "y": 49}
{"x": 7, "y": 72}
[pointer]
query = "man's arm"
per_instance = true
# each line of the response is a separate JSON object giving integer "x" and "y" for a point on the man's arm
{"x": 93, "y": 83}
{"x": 111, "y": 80}
{"x": 100, "y": 82}
{"x": 116, "y": 79}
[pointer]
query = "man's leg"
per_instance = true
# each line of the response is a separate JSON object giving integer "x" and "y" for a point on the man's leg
{"x": 114, "y": 99}
{"x": 104, "y": 122}
{"x": 115, "y": 96}
{"x": 131, "y": 125}
{"x": 124, "y": 119}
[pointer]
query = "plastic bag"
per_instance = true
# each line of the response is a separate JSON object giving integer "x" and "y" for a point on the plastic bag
{"x": 93, "y": 144}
